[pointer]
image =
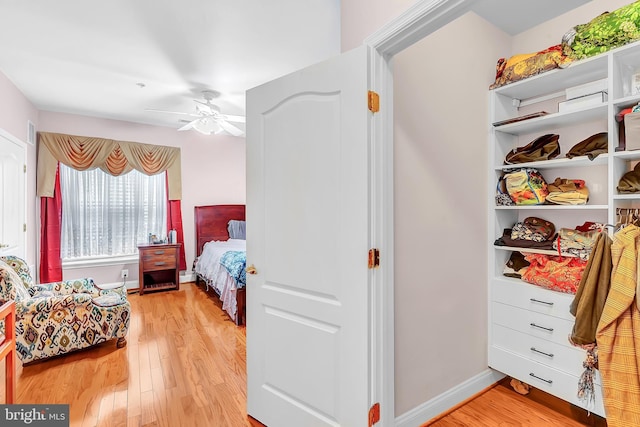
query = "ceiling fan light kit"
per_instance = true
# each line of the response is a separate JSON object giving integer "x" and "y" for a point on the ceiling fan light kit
{"x": 205, "y": 126}
{"x": 208, "y": 118}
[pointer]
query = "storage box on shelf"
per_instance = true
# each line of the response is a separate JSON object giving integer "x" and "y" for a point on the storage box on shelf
{"x": 586, "y": 89}
{"x": 584, "y": 101}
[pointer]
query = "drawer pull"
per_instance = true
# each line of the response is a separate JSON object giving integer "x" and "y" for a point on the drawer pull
{"x": 160, "y": 263}
{"x": 541, "y": 302}
{"x": 159, "y": 252}
{"x": 541, "y": 352}
{"x": 542, "y": 379}
{"x": 541, "y": 327}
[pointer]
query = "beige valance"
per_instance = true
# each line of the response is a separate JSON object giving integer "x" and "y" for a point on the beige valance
{"x": 113, "y": 157}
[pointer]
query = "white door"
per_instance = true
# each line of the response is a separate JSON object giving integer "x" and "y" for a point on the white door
{"x": 13, "y": 195}
{"x": 308, "y": 311}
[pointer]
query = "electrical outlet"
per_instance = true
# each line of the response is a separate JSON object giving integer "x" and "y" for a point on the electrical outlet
{"x": 124, "y": 273}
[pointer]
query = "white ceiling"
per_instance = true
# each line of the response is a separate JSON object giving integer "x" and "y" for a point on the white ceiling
{"x": 92, "y": 57}
{"x": 516, "y": 16}
{"x": 89, "y": 57}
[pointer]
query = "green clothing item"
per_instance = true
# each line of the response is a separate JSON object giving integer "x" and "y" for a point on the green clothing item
{"x": 603, "y": 33}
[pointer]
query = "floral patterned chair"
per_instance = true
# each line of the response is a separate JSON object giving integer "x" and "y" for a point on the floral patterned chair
{"x": 56, "y": 318}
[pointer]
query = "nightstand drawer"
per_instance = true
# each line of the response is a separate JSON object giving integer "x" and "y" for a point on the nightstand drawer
{"x": 160, "y": 259}
{"x": 158, "y": 262}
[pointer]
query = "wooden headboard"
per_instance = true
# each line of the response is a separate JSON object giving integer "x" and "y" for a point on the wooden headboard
{"x": 212, "y": 221}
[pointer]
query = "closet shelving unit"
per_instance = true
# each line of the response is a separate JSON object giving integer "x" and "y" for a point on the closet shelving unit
{"x": 529, "y": 326}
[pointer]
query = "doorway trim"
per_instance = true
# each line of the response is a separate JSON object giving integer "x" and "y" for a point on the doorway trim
{"x": 14, "y": 140}
{"x": 417, "y": 22}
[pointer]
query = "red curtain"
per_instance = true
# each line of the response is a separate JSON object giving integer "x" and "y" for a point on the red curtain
{"x": 174, "y": 222}
{"x": 50, "y": 232}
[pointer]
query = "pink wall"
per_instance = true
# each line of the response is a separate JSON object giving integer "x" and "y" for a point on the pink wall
{"x": 213, "y": 171}
{"x": 15, "y": 110}
{"x": 360, "y": 18}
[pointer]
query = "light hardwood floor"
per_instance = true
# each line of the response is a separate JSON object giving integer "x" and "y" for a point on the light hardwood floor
{"x": 500, "y": 406}
{"x": 184, "y": 365}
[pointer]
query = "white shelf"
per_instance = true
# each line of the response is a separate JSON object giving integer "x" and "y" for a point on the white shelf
{"x": 556, "y": 207}
{"x": 577, "y": 73}
{"x": 635, "y": 196}
{"x": 555, "y": 120}
{"x": 563, "y": 162}
{"x": 627, "y": 155}
{"x": 534, "y": 251}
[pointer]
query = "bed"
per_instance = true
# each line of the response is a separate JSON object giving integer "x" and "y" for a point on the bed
{"x": 221, "y": 260}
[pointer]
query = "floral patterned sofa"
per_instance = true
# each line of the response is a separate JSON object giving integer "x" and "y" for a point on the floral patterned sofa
{"x": 56, "y": 318}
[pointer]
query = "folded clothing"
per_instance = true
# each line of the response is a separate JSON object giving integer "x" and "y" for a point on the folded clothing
{"x": 506, "y": 240}
{"x": 568, "y": 192}
{"x": 533, "y": 228}
{"x": 544, "y": 147}
{"x": 591, "y": 147}
{"x": 561, "y": 274}
{"x": 578, "y": 243}
{"x": 515, "y": 265}
{"x": 630, "y": 181}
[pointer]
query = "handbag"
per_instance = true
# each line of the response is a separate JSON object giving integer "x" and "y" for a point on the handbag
{"x": 526, "y": 186}
{"x": 502, "y": 197}
{"x": 544, "y": 147}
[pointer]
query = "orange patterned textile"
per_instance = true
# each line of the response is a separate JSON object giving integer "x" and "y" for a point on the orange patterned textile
{"x": 561, "y": 274}
{"x": 618, "y": 334}
{"x": 525, "y": 65}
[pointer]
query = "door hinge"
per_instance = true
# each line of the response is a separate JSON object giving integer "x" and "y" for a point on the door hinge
{"x": 373, "y": 101}
{"x": 374, "y": 258}
{"x": 374, "y": 414}
{"x": 24, "y": 168}
{"x": 24, "y": 227}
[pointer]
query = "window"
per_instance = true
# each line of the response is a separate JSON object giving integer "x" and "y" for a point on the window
{"x": 105, "y": 215}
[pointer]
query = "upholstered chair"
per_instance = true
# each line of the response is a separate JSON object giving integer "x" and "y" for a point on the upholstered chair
{"x": 56, "y": 318}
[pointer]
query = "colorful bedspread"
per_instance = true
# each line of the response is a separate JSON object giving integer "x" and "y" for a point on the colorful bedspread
{"x": 235, "y": 263}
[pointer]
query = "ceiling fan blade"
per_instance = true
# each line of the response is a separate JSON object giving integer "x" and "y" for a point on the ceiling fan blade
{"x": 230, "y": 128}
{"x": 171, "y": 112}
{"x": 189, "y": 125}
{"x": 230, "y": 118}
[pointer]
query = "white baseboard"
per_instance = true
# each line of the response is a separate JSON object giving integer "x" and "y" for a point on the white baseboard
{"x": 450, "y": 398}
{"x": 133, "y": 284}
{"x": 187, "y": 277}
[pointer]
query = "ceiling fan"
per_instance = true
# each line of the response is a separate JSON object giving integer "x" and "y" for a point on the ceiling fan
{"x": 208, "y": 118}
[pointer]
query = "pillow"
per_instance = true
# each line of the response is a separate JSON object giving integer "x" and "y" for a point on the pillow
{"x": 20, "y": 266}
{"x": 11, "y": 285}
{"x": 237, "y": 229}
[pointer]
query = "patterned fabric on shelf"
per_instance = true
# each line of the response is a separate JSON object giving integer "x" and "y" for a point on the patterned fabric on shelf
{"x": 56, "y": 318}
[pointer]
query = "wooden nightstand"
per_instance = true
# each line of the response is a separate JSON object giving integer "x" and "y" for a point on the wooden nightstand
{"x": 159, "y": 267}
